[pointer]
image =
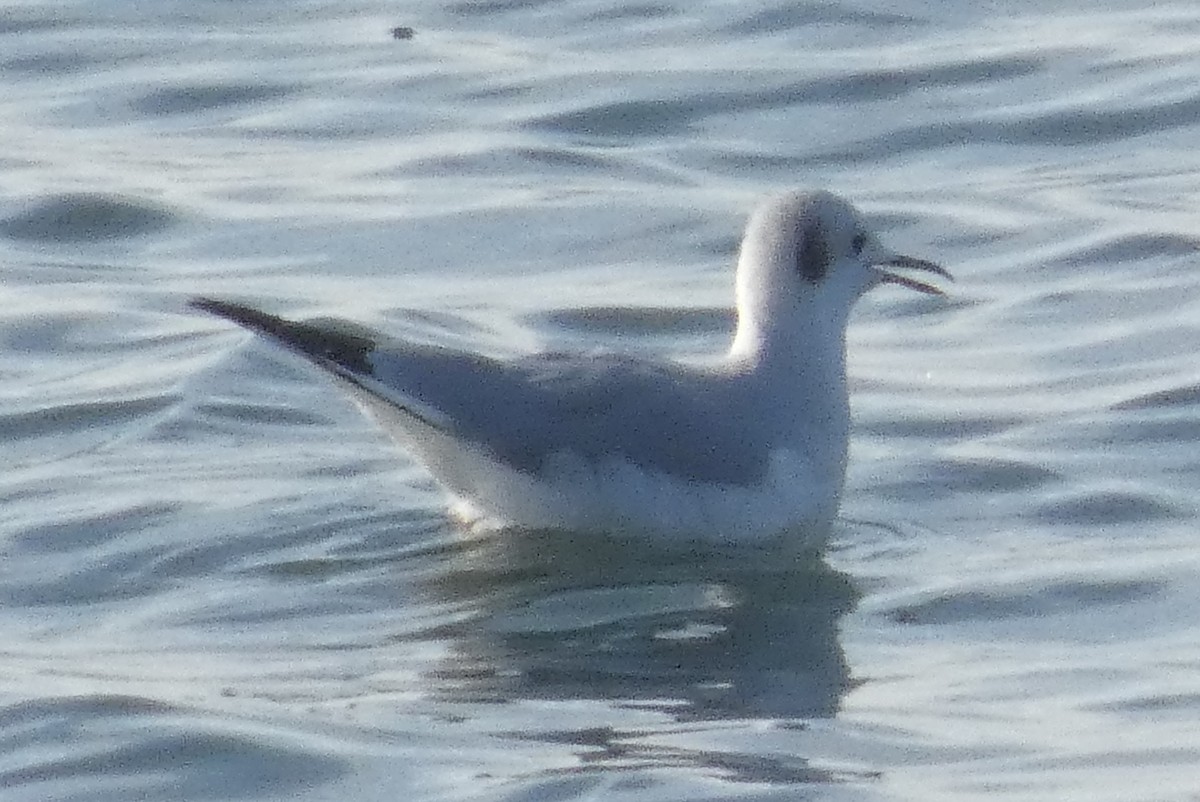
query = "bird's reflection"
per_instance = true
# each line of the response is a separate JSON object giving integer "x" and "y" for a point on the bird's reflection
{"x": 701, "y": 634}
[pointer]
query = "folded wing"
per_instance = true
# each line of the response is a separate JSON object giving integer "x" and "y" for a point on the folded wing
{"x": 660, "y": 416}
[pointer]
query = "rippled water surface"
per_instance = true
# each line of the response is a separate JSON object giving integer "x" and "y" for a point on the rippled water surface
{"x": 219, "y": 581}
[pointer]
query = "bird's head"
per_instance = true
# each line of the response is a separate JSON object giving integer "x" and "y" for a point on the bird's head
{"x": 806, "y": 258}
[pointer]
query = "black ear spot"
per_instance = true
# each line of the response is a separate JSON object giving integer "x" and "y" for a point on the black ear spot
{"x": 814, "y": 258}
{"x": 858, "y": 243}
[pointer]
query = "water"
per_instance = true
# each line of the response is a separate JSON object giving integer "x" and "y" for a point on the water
{"x": 220, "y": 582}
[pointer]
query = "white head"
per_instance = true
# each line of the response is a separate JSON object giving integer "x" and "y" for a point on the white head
{"x": 805, "y": 259}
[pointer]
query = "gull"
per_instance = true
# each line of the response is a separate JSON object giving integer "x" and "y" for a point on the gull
{"x": 750, "y": 448}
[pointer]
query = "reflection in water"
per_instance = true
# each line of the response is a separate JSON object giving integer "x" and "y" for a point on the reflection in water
{"x": 606, "y": 749}
{"x": 703, "y": 635}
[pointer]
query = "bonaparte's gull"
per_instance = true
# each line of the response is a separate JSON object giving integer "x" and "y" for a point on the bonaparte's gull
{"x": 750, "y": 448}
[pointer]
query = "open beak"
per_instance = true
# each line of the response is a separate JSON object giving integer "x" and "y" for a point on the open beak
{"x": 909, "y": 263}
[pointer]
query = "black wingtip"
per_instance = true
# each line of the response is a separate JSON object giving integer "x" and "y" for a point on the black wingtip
{"x": 246, "y": 316}
{"x": 213, "y": 305}
{"x": 334, "y": 349}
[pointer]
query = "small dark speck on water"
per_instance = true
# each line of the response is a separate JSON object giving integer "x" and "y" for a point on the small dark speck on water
{"x": 402, "y": 32}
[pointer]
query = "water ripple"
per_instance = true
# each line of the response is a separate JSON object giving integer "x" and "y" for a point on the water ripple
{"x": 207, "y": 97}
{"x": 132, "y": 747}
{"x": 1100, "y": 508}
{"x": 776, "y": 19}
{"x": 1173, "y": 397}
{"x": 955, "y": 607}
{"x": 674, "y": 114}
{"x": 87, "y": 217}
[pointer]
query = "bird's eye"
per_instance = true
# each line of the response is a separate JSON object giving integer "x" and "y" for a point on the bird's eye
{"x": 858, "y": 243}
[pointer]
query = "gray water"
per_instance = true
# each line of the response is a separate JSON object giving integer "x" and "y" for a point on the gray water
{"x": 219, "y": 581}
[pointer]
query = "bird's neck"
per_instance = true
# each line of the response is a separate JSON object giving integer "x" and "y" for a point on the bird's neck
{"x": 797, "y": 373}
{"x": 806, "y": 344}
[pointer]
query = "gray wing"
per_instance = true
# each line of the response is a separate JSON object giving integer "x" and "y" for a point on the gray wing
{"x": 664, "y": 416}
{"x": 655, "y": 415}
